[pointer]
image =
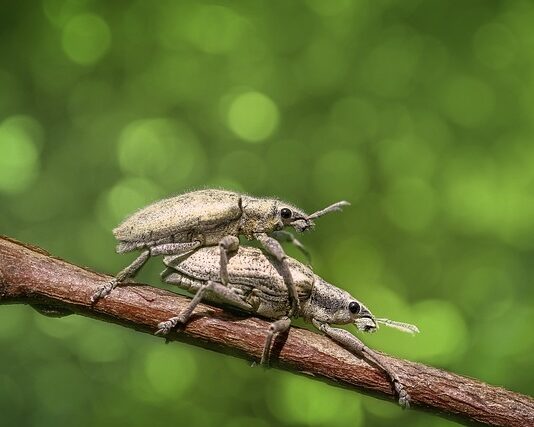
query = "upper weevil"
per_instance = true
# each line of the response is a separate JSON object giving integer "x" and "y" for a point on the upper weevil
{"x": 211, "y": 217}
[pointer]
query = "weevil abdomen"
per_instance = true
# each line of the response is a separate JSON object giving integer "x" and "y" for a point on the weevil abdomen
{"x": 206, "y": 215}
{"x": 268, "y": 305}
{"x": 251, "y": 268}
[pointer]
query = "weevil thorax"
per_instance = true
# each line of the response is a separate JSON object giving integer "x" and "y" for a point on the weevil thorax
{"x": 330, "y": 304}
{"x": 263, "y": 215}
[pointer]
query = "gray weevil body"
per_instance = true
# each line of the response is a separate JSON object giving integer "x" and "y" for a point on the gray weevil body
{"x": 210, "y": 217}
{"x": 255, "y": 285}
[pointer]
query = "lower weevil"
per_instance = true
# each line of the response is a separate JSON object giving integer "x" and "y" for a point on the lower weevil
{"x": 256, "y": 286}
{"x": 211, "y": 217}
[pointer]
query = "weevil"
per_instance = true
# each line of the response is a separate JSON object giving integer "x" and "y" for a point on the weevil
{"x": 210, "y": 217}
{"x": 255, "y": 285}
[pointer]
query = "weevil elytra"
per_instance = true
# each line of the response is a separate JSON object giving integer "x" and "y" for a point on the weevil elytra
{"x": 255, "y": 285}
{"x": 210, "y": 217}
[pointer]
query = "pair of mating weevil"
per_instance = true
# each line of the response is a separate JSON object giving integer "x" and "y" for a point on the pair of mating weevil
{"x": 198, "y": 232}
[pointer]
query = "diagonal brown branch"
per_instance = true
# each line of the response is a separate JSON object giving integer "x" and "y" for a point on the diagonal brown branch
{"x": 29, "y": 275}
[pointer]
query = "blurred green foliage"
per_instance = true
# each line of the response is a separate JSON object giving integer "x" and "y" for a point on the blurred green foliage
{"x": 419, "y": 113}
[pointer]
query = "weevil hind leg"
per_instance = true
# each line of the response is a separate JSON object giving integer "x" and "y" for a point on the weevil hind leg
{"x": 354, "y": 345}
{"x": 224, "y": 293}
{"x": 274, "y": 248}
{"x": 227, "y": 245}
{"x": 131, "y": 270}
{"x": 275, "y": 328}
{"x": 165, "y": 327}
{"x": 286, "y": 236}
{"x": 124, "y": 274}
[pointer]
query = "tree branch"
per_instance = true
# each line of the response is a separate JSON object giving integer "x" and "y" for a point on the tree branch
{"x": 29, "y": 275}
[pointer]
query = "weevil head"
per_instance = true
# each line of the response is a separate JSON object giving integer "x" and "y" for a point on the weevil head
{"x": 332, "y": 305}
{"x": 329, "y": 304}
{"x": 267, "y": 215}
{"x": 299, "y": 220}
{"x": 294, "y": 217}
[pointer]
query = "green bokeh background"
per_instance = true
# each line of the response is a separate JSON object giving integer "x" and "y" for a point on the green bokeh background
{"x": 419, "y": 113}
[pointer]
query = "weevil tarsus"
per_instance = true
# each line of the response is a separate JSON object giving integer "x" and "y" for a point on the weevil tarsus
{"x": 122, "y": 276}
{"x": 277, "y": 327}
{"x": 165, "y": 327}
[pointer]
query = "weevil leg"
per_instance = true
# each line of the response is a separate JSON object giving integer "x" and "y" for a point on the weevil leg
{"x": 134, "y": 267}
{"x": 272, "y": 246}
{"x": 286, "y": 236}
{"x": 275, "y": 328}
{"x": 353, "y": 344}
{"x": 226, "y": 245}
{"x": 223, "y": 292}
{"x": 124, "y": 274}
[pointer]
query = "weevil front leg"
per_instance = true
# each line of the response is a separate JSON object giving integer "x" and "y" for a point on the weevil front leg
{"x": 226, "y": 245}
{"x": 281, "y": 325}
{"x": 286, "y": 236}
{"x": 272, "y": 246}
{"x": 223, "y": 292}
{"x": 131, "y": 270}
{"x": 353, "y": 344}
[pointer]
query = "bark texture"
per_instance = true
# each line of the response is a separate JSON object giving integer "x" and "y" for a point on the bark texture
{"x": 29, "y": 275}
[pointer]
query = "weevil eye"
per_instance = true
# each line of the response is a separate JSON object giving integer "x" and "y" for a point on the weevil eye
{"x": 354, "y": 307}
{"x": 285, "y": 213}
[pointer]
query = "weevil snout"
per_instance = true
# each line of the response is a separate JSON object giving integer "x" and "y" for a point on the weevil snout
{"x": 366, "y": 324}
{"x": 302, "y": 225}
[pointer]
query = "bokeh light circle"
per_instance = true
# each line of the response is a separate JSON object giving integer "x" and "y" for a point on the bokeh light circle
{"x": 468, "y": 101}
{"x": 86, "y": 38}
{"x": 165, "y": 382}
{"x": 253, "y": 116}
{"x": 495, "y": 45}
{"x": 162, "y": 149}
{"x": 444, "y": 335}
{"x": 19, "y": 162}
{"x": 319, "y": 404}
{"x": 213, "y": 28}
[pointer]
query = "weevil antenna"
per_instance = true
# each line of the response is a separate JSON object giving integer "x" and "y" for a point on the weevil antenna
{"x": 401, "y": 326}
{"x": 332, "y": 208}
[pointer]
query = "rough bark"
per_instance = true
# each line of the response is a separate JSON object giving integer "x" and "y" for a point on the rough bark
{"x": 29, "y": 275}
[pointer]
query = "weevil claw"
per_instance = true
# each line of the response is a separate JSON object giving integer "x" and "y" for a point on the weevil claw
{"x": 404, "y": 397}
{"x": 404, "y": 402}
{"x": 104, "y": 291}
{"x": 295, "y": 308}
{"x": 164, "y": 328}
